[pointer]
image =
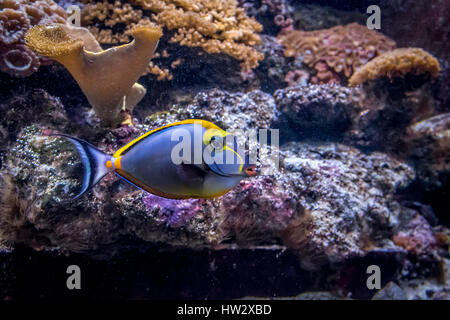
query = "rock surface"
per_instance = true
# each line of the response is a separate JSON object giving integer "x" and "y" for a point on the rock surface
{"x": 362, "y": 179}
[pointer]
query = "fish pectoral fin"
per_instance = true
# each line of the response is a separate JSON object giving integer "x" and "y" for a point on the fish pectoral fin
{"x": 190, "y": 173}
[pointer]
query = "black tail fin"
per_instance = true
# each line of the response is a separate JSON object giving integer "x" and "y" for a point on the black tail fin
{"x": 94, "y": 163}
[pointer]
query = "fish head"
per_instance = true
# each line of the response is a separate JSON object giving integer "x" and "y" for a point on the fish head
{"x": 223, "y": 156}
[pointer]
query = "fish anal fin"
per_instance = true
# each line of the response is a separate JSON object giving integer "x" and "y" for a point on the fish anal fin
{"x": 130, "y": 179}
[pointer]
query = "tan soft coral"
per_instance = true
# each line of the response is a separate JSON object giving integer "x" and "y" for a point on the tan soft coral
{"x": 16, "y": 17}
{"x": 217, "y": 26}
{"x": 107, "y": 77}
{"x": 111, "y": 14}
{"x": 344, "y": 49}
{"x": 397, "y": 63}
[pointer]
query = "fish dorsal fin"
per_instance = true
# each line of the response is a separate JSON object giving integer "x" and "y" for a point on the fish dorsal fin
{"x": 204, "y": 123}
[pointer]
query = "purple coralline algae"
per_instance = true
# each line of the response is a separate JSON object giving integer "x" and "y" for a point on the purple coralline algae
{"x": 173, "y": 213}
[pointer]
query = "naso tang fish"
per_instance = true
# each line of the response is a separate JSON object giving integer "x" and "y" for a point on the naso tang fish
{"x": 171, "y": 162}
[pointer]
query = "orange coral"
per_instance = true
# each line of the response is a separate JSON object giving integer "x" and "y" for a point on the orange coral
{"x": 397, "y": 63}
{"x": 324, "y": 74}
{"x": 16, "y": 17}
{"x": 343, "y": 48}
{"x": 217, "y": 26}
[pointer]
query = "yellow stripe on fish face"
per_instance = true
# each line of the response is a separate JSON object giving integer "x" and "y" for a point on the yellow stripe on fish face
{"x": 221, "y": 133}
{"x": 206, "y": 124}
{"x": 212, "y": 132}
{"x": 242, "y": 160}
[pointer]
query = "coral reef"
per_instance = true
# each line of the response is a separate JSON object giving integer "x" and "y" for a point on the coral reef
{"x": 173, "y": 213}
{"x": 344, "y": 49}
{"x": 388, "y": 106}
{"x": 430, "y": 34}
{"x": 253, "y": 110}
{"x": 310, "y": 16}
{"x": 273, "y": 71}
{"x": 111, "y": 14}
{"x": 16, "y": 17}
{"x": 419, "y": 237}
{"x": 339, "y": 222}
{"x": 296, "y": 77}
{"x": 216, "y": 27}
{"x": 397, "y": 63}
{"x": 382, "y": 124}
{"x": 118, "y": 89}
{"x": 429, "y": 148}
{"x": 324, "y": 74}
{"x": 272, "y": 14}
{"x": 360, "y": 177}
{"x": 323, "y": 191}
{"x": 255, "y": 213}
{"x": 316, "y": 111}
{"x": 433, "y": 289}
{"x": 46, "y": 108}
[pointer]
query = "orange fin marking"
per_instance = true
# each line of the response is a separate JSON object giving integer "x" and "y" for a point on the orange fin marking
{"x": 117, "y": 163}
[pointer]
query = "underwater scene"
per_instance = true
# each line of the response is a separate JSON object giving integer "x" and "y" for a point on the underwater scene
{"x": 225, "y": 149}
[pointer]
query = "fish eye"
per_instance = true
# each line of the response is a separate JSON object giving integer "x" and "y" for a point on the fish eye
{"x": 216, "y": 142}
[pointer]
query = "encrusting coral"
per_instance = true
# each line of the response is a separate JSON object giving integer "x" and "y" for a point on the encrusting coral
{"x": 16, "y": 17}
{"x": 397, "y": 63}
{"x": 341, "y": 49}
{"x": 107, "y": 78}
{"x": 218, "y": 26}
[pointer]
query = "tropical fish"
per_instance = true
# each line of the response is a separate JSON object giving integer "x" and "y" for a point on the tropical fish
{"x": 161, "y": 163}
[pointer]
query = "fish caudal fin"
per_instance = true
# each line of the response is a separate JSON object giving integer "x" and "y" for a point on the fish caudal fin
{"x": 94, "y": 163}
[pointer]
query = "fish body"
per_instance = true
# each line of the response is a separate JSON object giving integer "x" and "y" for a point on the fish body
{"x": 208, "y": 164}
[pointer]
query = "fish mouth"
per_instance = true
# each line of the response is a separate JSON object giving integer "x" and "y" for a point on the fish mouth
{"x": 250, "y": 171}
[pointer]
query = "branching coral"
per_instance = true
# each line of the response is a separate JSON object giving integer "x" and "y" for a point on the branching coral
{"x": 216, "y": 26}
{"x": 16, "y": 17}
{"x": 397, "y": 63}
{"x": 111, "y": 14}
{"x": 107, "y": 78}
{"x": 344, "y": 49}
